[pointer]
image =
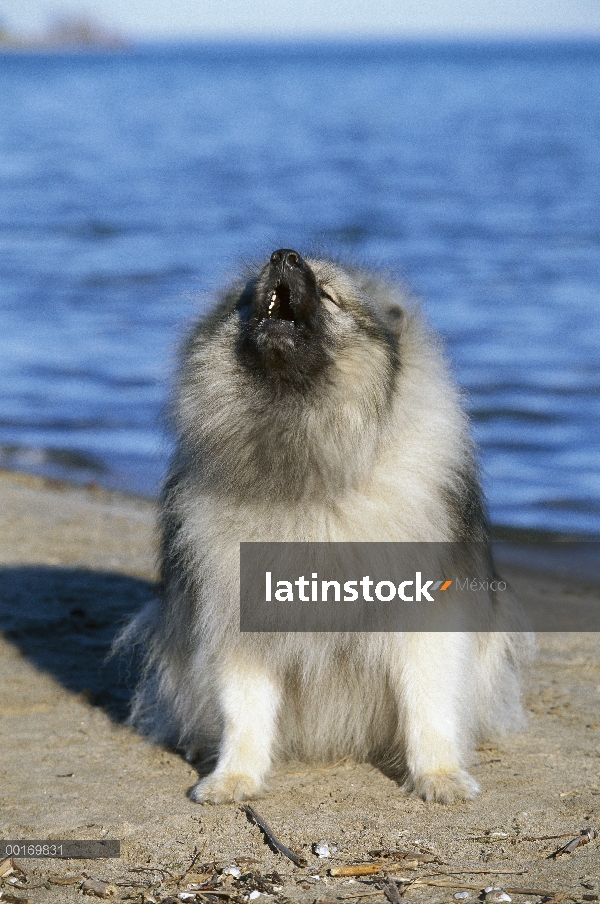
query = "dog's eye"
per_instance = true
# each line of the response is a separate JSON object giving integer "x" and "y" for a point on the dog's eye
{"x": 325, "y": 294}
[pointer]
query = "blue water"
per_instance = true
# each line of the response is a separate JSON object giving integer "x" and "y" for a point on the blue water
{"x": 131, "y": 184}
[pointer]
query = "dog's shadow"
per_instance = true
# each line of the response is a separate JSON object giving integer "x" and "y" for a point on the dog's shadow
{"x": 64, "y": 621}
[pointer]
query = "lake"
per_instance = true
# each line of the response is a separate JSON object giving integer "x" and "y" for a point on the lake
{"x": 132, "y": 184}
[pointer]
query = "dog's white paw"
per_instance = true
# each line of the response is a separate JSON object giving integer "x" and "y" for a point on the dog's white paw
{"x": 444, "y": 787}
{"x": 224, "y": 789}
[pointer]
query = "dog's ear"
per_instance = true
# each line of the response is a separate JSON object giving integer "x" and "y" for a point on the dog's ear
{"x": 395, "y": 317}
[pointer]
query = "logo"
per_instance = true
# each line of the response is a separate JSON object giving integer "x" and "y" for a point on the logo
{"x": 385, "y": 591}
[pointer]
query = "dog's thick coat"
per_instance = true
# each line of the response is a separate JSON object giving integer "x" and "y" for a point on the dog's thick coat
{"x": 314, "y": 405}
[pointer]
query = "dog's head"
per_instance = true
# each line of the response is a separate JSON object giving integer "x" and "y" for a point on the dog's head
{"x": 288, "y": 385}
{"x": 299, "y": 316}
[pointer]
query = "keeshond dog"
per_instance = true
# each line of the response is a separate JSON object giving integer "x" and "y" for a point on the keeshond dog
{"x": 313, "y": 404}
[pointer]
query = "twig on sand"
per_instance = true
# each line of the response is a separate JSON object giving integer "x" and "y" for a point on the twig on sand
{"x": 451, "y": 883}
{"x": 391, "y": 891}
{"x": 477, "y": 872}
{"x": 150, "y": 869}
{"x": 362, "y": 894}
{"x": 584, "y": 837}
{"x": 271, "y": 837}
{"x": 543, "y": 837}
{"x": 195, "y": 858}
{"x": 511, "y": 890}
{"x": 369, "y": 869}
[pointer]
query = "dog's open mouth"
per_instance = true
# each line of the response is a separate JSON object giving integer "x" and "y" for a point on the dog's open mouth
{"x": 285, "y": 312}
{"x": 280, "y": 307}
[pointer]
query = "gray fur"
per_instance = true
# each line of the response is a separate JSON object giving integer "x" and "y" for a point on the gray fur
{"x": 358, "y": 434}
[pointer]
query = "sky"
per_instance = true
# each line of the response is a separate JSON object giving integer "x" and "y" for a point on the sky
{"x": 314, "y": 18}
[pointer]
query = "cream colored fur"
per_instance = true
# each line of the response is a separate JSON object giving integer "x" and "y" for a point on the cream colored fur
{"x": 377, "y": 451}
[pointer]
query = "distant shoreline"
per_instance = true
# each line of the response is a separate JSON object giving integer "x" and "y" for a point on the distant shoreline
{"x": 478, "y": 44}
{"x": 66, "y": 33}
{"x": 35, "y": 48}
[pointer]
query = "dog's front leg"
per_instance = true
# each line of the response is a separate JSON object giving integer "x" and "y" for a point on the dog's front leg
{"x": 432, "y": 681}
{"x": 249, "y": 697}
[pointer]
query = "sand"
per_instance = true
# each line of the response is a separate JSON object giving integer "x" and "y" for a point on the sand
{"x": 73, "y": 563}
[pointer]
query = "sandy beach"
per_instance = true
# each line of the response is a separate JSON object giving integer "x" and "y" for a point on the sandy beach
{"x": 74, "y": 563}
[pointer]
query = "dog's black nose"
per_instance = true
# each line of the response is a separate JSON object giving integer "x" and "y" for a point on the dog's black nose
{"x": 286, "y": 257}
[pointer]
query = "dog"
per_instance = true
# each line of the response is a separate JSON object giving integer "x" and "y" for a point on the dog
{"x": 312, "y": 404}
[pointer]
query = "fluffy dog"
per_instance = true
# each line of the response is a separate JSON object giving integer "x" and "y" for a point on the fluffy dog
{"x": 313, "y": 404}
